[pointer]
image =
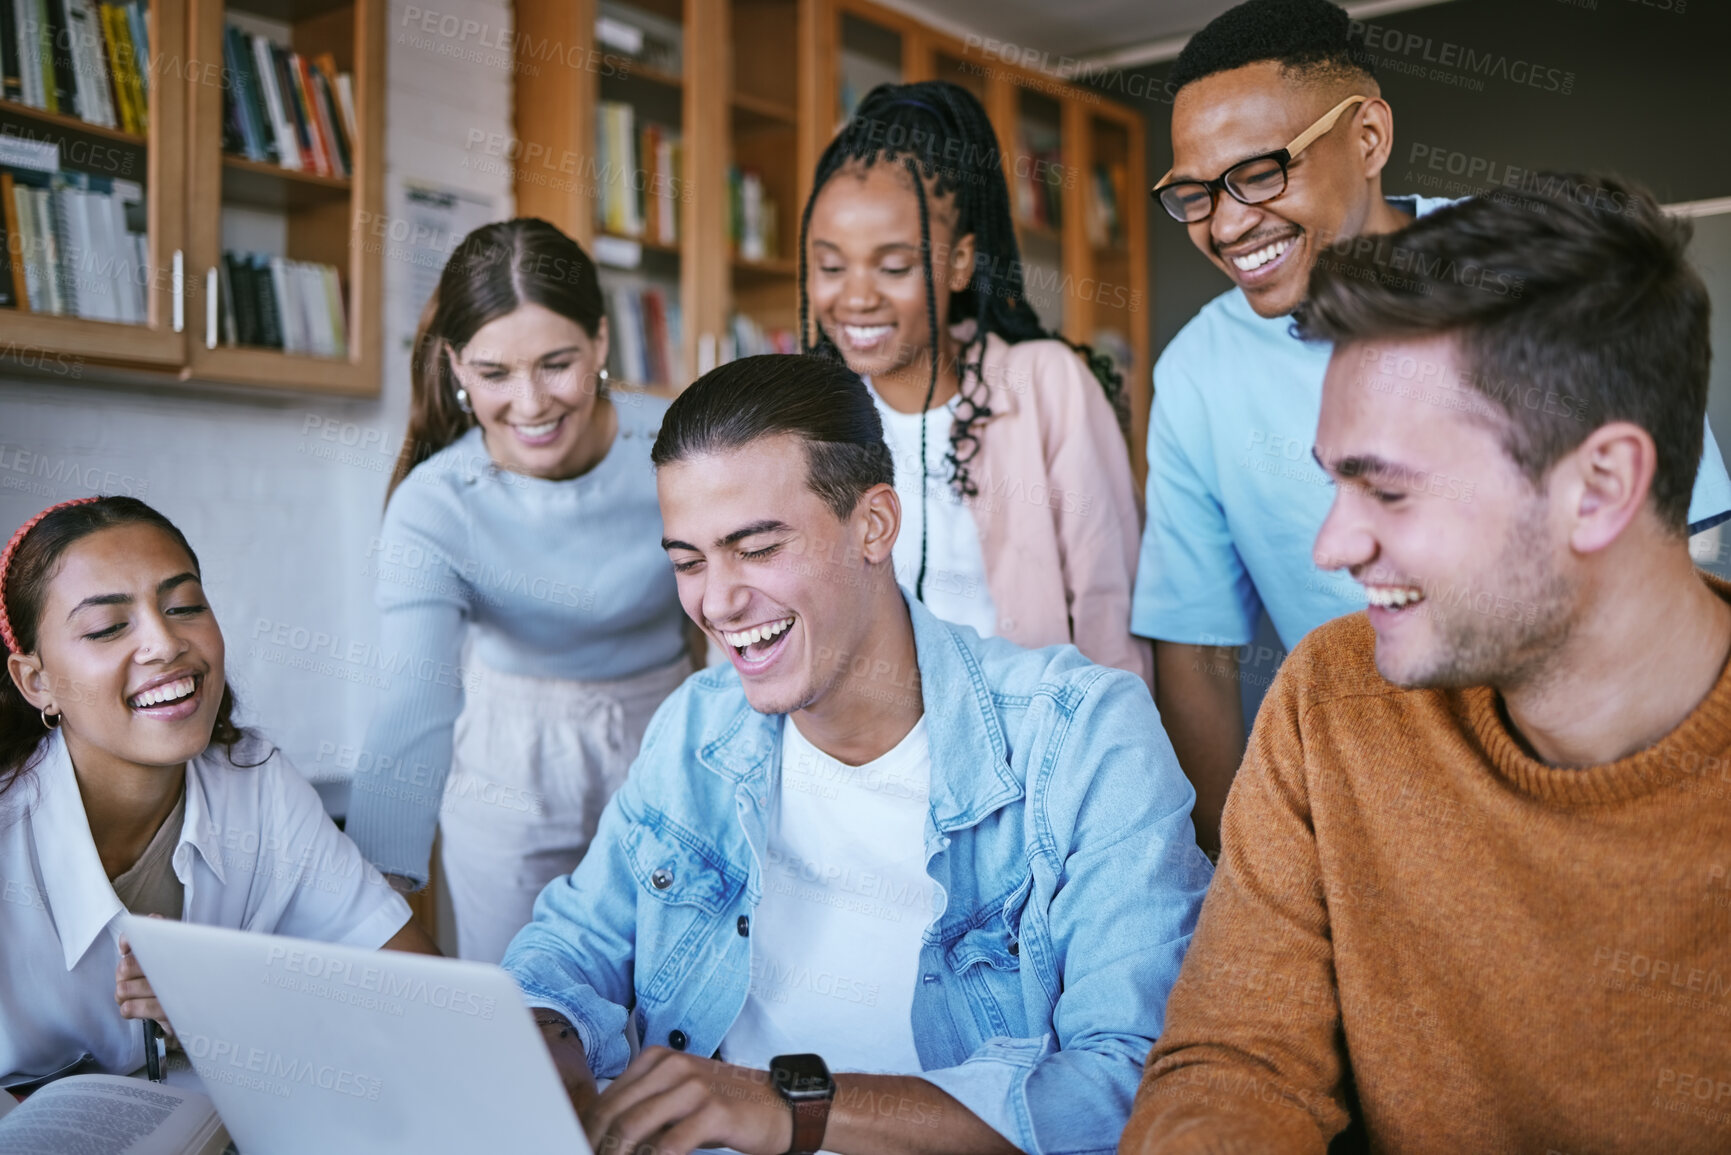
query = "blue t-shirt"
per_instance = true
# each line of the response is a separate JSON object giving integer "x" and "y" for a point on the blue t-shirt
{"x": 1235, "y": 499}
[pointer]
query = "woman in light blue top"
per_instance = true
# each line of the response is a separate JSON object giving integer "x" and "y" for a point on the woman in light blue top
{"x": 529, "y": 619}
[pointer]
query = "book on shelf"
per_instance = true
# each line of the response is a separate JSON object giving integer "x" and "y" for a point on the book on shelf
{"x": 640, "y": 36}
{"x": 272, "y": 302}
{"x": 616, "y": 137}
{"x": 640, "y": 175}
{"x": 751, "y": 216}
{"x": 285, "y": 109}
{"x": 746, "y": 338}
{"x": 663, "y": 156}
{"x": 1105, "y": 226}
{"x": 77, "y": 245}
{"x": 111, "y": 1113}
{"x": 1039, "y": 179}
{"x": 648, "y": 334}
{"x": 79, "y": 58}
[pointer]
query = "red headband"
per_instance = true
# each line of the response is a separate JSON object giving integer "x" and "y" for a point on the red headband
{"x": 6, "y": 563}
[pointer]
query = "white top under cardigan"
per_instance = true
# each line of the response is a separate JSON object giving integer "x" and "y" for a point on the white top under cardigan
{"x": 256, "y": 852}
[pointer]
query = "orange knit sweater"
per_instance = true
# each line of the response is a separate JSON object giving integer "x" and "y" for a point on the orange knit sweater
{"x": 1421, "y": 931}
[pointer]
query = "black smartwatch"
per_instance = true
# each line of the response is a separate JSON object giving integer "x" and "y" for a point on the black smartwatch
{"x": 804, "y": 1084}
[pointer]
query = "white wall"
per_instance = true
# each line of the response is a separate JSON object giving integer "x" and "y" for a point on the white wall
{"x": 281, "y": 531}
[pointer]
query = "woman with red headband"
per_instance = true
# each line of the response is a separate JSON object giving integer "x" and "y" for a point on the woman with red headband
{"x": 126, "y": 785}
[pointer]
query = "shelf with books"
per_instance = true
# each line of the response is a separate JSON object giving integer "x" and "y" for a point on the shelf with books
{"x": 764, "y": 177}
{"x": 1039, "y": 179}
{"x": 640, "y": 192}
{"x": 91, "y": 199}
{"x": 1111, "y": 251}
{"x": 287, "y": 172}
{"x": 15, "y": 112}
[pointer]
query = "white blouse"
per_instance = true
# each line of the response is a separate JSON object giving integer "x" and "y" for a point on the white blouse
{"x": 256, "y": 852}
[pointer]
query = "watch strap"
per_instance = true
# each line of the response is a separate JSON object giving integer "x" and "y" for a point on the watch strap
{"x": 810, "y": 1120}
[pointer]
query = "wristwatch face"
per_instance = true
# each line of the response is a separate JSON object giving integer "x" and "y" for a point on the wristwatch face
{"x": 801, "y": 1076}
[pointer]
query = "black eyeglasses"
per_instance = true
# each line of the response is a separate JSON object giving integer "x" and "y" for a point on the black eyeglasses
{"x": 1251, "y": 182}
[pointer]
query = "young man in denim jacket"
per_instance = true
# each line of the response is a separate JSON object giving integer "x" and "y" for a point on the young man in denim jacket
{"x": 877, "y": 843}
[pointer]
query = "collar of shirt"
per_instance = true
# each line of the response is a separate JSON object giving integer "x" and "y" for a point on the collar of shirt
{"x": 81, "y": 900}
{"x": 970, "y": 754}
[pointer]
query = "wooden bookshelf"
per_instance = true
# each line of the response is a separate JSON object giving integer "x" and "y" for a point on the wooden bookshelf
{"x": 191, "y": 187}
{"x": 12, "y": 110}
{"x": 306, "y": 216}
{"x": 157, "y": 162}
{"x": 762, "y": 88}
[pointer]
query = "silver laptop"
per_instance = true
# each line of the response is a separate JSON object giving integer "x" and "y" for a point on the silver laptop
{"x": 304, "y": 1046}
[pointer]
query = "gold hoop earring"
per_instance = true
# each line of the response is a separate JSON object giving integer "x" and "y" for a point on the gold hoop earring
{"x": 54, "y": 725}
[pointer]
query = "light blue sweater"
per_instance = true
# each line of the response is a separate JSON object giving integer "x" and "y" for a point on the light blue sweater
{"x": 563, "y": 579}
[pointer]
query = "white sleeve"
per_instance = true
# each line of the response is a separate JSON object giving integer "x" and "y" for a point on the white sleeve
{"x": 318, "y": 885}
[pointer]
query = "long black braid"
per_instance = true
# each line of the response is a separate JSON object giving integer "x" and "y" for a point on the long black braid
{"x": 941, "y": 133}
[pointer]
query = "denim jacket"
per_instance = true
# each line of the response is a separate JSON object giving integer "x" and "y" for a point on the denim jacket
{"x": 1067, "y": 885}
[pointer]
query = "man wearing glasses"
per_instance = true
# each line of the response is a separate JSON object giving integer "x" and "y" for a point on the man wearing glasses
{"x": 1279, "y": 137}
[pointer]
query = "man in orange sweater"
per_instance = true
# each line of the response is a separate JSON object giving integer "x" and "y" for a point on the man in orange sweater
{"x": 1475, "y": 892}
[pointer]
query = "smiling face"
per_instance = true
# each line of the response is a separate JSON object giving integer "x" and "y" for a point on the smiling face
{"x": 127, "y": 652}
{"x": 1268, "y": 249}
{"x": 532, "y": 377}
{"x": 1466, "y": 563}
{"x": 766, "y": 568}
{"x": 867, "y": 289}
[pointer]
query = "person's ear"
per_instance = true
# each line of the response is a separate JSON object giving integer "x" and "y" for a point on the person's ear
{"x": 1375, "y": 138}
{"x": 961, "y": 263}
{"x": 31, "y": 679}
{"x": 1607, "y": 480}
{"x": 879, "y": 514}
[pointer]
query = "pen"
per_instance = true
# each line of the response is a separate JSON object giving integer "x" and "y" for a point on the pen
{"x": 152, "y": 1059}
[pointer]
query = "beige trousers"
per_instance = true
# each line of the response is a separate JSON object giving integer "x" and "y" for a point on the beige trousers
{"x": 533, "y": 764}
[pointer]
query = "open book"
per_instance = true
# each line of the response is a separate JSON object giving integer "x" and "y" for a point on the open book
{"x": 111, "y": 1114}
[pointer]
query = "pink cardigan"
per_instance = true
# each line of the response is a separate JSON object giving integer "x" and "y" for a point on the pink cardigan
{"x": 1057, "y": 514}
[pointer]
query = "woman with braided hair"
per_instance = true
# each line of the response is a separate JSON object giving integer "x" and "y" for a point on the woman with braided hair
{"x": 1020, "y": 515}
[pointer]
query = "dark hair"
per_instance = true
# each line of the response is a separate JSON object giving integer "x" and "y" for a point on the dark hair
{"x": 490, "y": 274}
{"x": 1308, "y": 37}
{"x": 1574, "y": 305}
{"x": 822, "y": 402}
{"x": 25, "y": 591}
{"x": 939, "y": 132}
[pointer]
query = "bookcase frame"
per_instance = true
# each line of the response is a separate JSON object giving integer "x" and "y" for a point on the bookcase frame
{"x": 556, "y": 109}
{"x": 184, "y": 175}
{"x": 91, "y": 344}
{"x": 327, "y": 215}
